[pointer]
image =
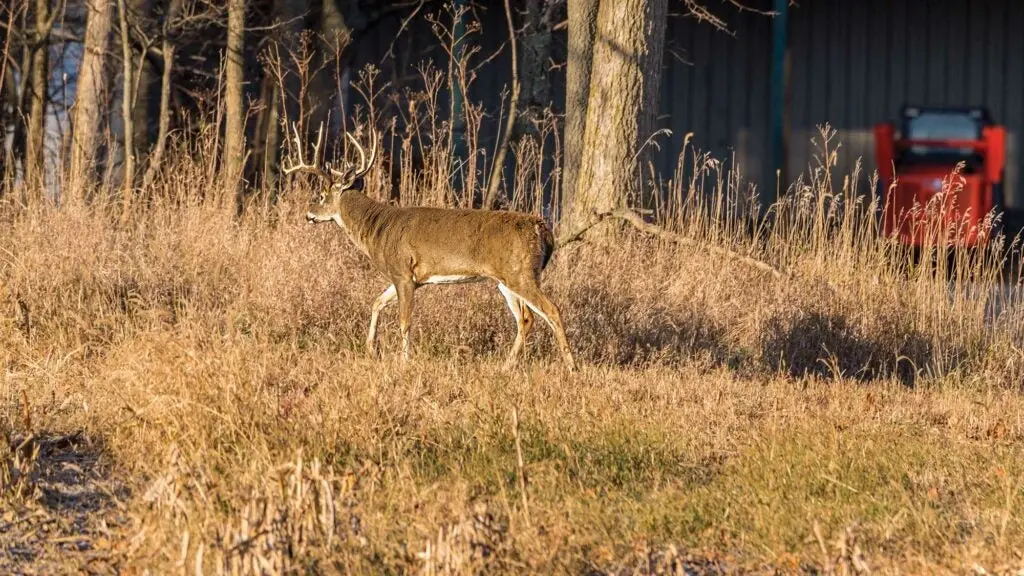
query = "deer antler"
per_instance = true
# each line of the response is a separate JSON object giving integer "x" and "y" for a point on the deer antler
{"x": 364, "y": 165}
{"x": 331, "y": 174}
{"x": 302, "y": 166}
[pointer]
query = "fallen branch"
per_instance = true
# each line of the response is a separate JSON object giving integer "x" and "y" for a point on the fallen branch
{"x": 636, "y": 221}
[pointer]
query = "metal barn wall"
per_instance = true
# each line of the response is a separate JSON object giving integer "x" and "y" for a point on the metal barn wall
{"x": 716, "y": 85}
{"x": 856, "y": 63}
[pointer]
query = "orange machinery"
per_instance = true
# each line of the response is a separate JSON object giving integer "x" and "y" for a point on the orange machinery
{"x": 929, "y": 145}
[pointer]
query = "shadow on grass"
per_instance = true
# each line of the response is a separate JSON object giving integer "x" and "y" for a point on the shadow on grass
{"x": 829, "y": 345}
{"x": 619, "y": 329}
{"x": 77, "y": 499}
{"x": 603, "y": 327}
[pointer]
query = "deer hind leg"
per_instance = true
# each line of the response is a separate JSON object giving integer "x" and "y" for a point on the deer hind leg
{"x": 405, "y": 291}
{"x": 534, "y": 299}
{"x": 524, "y": 321}
{"x": 527, "y": 313}
{"x": 387, "y": 297}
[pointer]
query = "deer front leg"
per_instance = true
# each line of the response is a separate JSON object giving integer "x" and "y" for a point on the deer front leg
{"x": 387, "y": 297}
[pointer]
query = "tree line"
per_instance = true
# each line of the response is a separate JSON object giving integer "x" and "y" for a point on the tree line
{"x": 260, "y": 64}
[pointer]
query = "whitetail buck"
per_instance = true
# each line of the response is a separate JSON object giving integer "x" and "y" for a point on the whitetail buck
{"x": 416, "y": 246}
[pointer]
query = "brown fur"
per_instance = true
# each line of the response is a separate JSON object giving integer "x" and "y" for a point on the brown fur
{"x": 416, "y": 243}
{"x": 411, "y": 245}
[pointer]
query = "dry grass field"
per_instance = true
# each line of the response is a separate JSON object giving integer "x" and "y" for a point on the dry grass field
{"x": 186, "y": 392}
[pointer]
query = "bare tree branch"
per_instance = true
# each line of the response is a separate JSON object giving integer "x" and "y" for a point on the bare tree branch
{"x": 637, "y": 221}
{"x": 700, "y": 12}
{"x": 401, "y": 29}
{"x": 127, "y": 98}
{"x": 498, "y": 166}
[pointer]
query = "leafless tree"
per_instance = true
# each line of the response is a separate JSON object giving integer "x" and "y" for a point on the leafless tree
{"x": 167, "y": 55}
{"x": 613, "y": 68}
{"x": 491, "y": 194}
{"x": 582, "y": 26}
{"x": 127, "y": 109}
{"x": 622, "y": 100}
{"x": 10, "y": 101}
{"x": 90, "y": 99}
{"x": 35, "y": 88}
{"x": 234, "y": 129}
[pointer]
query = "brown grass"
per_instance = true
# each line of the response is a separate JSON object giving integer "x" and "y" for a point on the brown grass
{"x": 862, "y": 412}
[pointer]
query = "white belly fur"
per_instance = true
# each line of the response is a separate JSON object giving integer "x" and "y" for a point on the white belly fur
{"x": 450, "y": 279}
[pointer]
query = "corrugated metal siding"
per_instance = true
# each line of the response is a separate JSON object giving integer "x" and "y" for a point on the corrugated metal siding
{"x": 857, "y": 63}
{"x": 715, "y": 85}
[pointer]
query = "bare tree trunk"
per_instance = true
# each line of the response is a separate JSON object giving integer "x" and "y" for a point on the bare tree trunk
{"x": 168, "y": 50}
{"x": 535, "y": 50}
{"x": 21, "y": 93}
{"x": 498, "y": 166}
{"x": 260, "y": 154}
{"x": 89, "y": 98}
{"x": 38, "y": 90}
{"x": 146, "y": 81}
{"x": 335, "y": 35}
{"x": 260, "y": 129}
{"x": 272, "y": 140}
{"x": 623, "y": 97}
{"x": 582, "y": 29}
{"x": 127, "y": 91}
{"x": 234, "y": 125}
{"x": 8, "y": 97}
{"x": 156, "y": 158}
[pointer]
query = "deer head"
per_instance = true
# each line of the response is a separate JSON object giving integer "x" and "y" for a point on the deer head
{"x": 339, "y": 181}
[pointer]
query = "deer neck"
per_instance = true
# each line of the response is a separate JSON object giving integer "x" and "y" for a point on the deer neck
{"x": 364, "y": 218}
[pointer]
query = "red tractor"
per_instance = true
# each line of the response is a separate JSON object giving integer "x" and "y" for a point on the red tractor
{"x": 931, "y": 142}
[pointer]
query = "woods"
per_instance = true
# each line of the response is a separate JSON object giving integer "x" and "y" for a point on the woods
{"x": 103, "y": 87}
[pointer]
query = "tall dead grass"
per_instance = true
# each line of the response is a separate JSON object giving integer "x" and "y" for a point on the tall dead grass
{"x": 863, "y": 409}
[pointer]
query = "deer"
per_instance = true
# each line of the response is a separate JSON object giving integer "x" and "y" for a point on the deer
{"x": 417, "y": 246}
